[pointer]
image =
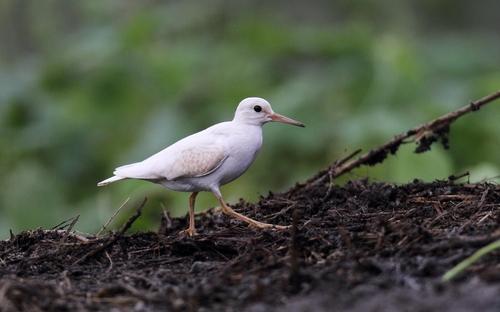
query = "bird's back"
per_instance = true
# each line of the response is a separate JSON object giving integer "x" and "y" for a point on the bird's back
{"x": 190, "y": 156}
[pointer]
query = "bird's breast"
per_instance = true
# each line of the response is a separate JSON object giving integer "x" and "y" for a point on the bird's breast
{"x": 242, "y": 152}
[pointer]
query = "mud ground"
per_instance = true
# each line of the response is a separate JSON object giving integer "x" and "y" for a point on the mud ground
{"x": 361, "y": 247}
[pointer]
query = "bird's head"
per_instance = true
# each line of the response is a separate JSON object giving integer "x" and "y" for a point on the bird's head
{"x": 257, "y": 111}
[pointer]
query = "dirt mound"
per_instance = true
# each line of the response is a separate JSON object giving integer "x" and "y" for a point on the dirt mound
{"x": 360, "y": 247}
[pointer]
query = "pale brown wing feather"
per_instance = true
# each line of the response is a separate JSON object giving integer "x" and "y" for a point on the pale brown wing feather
{"x": 196, "y": 162}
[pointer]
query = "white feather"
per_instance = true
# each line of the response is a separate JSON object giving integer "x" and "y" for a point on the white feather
{"x": 110, "y": 180}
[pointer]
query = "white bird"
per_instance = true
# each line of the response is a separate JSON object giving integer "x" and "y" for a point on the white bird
{"x": 206, "y": 160}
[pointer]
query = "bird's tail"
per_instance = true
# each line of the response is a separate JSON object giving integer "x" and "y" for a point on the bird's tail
{"x": 110, "y": 180}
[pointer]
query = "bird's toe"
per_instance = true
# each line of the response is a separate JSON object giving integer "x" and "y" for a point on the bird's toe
{"x": 261, "y": 225}
{"x": 188, "y": 232}
{"x": 282, "y": 227}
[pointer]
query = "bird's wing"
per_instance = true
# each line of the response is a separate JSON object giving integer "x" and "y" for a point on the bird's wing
{"x": 196, "y": 162}
{"x": 195, "y": 158}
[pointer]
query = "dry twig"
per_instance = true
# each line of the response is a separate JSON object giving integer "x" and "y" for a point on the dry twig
{"x": 112, "y": 217}
{"x": 424, "y": 135}
{"x": 105, "y": 245}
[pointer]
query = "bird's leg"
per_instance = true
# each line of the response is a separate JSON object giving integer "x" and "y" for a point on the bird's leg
{"x": 229, "y": 211}
{"x": 191, "y": 230}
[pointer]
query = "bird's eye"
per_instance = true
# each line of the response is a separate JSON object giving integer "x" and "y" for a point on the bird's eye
{"x": 257, "y": 108}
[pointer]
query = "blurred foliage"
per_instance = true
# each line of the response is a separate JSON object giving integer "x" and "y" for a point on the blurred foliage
{"x": 86, "y": 86}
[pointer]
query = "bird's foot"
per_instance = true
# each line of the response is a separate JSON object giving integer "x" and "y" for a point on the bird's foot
{"x": 281, "y": 227}
{"x": 251, "y": 222}
{"x": 188, "y": 232}
{"x": 262, "y": 225}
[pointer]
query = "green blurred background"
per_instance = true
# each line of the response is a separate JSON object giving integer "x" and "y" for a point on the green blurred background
{"x": 86, "y": 86}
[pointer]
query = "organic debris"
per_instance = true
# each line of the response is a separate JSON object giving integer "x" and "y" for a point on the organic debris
{"x": 365, "y": 245}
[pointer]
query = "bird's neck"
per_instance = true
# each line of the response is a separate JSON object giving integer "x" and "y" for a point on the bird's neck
{"x": 247, "y": 121}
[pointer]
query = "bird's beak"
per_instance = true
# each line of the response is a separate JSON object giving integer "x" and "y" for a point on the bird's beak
{"x": 286, "y": 120}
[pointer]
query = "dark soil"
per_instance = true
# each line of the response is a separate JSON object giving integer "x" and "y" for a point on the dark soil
{"x": 361, "y": 247}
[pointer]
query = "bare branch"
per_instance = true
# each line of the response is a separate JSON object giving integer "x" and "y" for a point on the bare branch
{"x": 108, "y": 243}
{"x": 112, "y": 217}
{"x": 424, "y": 135}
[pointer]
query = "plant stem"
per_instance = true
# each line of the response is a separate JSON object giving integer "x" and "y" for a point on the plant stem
{"x": 459, "y": 268}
